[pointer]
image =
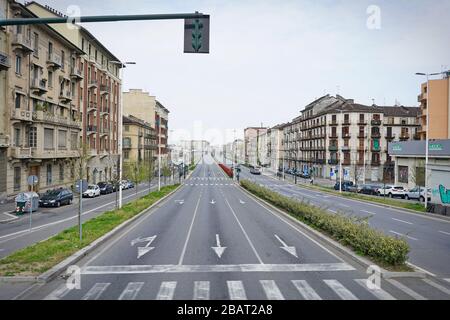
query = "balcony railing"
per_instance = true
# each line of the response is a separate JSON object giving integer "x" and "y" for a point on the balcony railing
{"x": 55, "y": 119}
{"x": 92, "y": 106}
{"x": 4, "y": 142}
{"x": 333, "y": 162}
{"x": 126, "y": 145}
{"x": 404, "y": 136}
{"x": 65, "y": 95}
{"x": 376, "y": 122}
{"x": 53, "y": 60}
{"x": 20, "y": 153}
{"x": 39, "y": 86}
{"x": 390, "y": 136}
{"x": 5, "y": 62}
{"x": 22, "y": 42}
{"x": 23, "y": 115}
{"x": 104, "y": 89}
{"x": 76, "y": 73}
{"x": 91, "y": 129}
{"x": 345, "y": 148}
{"x": 93, "y": 83}
{"x": 333, "y": 148}
{"x": 376, "y": 135}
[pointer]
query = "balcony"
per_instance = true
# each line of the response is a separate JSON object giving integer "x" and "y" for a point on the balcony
{"x": 362, "y": 136}
{"x": 333, "y": 123}
{"x": 20, "y": 153}
{"x": 76, "y": 74}
{"x": 91, "y": 129}
{"x": 5, "y": 61}
{"x": 54, "y": 61}
{"x": 65, "y": 96}
{"x": 46, "y": 117}
{"x": 346, "y": 136}
{"x": 404, "y": 136}
{"x": 390, "y": 137}
{"x": 22, "y": 115}
{"x": 376, "y": 150}
{"x": 52, "y": 154}
{"x": 104, "y": 132}
{"x": 421, "y": 97}
{"x": 375, "y": 163}
{"x": 104, "y": 89}
{"x": 333, "y": 136}
{"x": 4, "y": 143}
{"x": 362, "y": 122}
{"x": 92, "y": 106}
{"x": 333, "y": 148}
{"x": 93, "y": 84}
{"x": 104, "y": 112}
{"x": 22, "y": 43}
{"x": 345, "y": 148}
{"x": 126, "y": 145}
{"x": 376, "y": 135}
{"x": 38, "y": 86}
{"x": 376, "y": 122}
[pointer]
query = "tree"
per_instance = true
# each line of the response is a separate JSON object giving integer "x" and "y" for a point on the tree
{"x": 135, "y": 171}
{"x": 166, "y": 172}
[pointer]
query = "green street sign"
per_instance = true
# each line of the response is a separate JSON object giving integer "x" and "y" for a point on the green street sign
{"x": 196, "y": 35}
{"x": 396, "y": 147}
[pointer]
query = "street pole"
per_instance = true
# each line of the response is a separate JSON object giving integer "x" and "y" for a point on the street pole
{"x": 340, "y": 160}
{"x": 31, "y": 204}
{"x": 80, "y": 208}
{"x": 159, "y": 153}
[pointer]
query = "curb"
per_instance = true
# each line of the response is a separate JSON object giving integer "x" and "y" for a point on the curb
{"x": 77, "y": 256}
{"x": 9, "y": 220}
{"x": 418, "y": 213}
{"x": 337, "y": 246}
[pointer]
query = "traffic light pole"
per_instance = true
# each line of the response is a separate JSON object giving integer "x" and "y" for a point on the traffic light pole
{"x": 108, "y": 18}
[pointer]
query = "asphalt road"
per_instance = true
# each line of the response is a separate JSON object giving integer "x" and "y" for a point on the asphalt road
{"x": 428, "y": 237}
{"x": 211, "y": 240}
{"x": 47, "y": 222}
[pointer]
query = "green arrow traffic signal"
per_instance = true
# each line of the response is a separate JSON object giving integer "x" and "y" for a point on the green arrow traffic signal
{"x": 197, "y": 35}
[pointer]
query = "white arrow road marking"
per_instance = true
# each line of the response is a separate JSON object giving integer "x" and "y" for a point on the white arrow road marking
{"x": 147, "y": 248}
{"x": 285, "y": 247}
{"x": 212, "y": 201}
{"x": 218, "y": 249}
{"x": 241, "y": 202}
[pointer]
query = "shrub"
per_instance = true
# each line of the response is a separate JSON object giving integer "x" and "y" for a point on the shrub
{"x": 350, "y": 231}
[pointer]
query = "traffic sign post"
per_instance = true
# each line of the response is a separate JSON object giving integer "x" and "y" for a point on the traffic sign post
{"x": 32, "y": 181}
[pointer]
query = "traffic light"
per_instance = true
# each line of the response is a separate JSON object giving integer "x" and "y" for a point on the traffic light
{"x": 196, "y": 35}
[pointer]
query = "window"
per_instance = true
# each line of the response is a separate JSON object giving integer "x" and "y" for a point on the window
{"x": 127, "y": 128}
{"x": 49, "y": 174}
{"x": 126, "y": 154}
{"x": 17, "y": 178}
{"x": 74, "y": 140}
{"x": 82, "y": 44}
{"x": 63, "y": 58}
{"x": 333, "y": 118}
{"x": 17, "y": 101}
{"x": 18, "y": 64}
{"x": 346, "y": 118}
{"x": 61, "y": 173}
{"x": 403, "y": 174}
{"x": 36, "y": 44}
{"x": 62, "y": 136}
{"x": 361, "y": 118}
{"x": 50, "y": 79}
{"x": 50, "y": 49}
{"x": 17, "y": 137}
{"x": 32, "y": 137}
{"x": 48, "y": 139}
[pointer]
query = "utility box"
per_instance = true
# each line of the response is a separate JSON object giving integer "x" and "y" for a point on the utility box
{"x": 25, "y": 200}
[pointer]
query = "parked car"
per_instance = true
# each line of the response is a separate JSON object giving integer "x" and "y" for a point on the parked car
{"x": 304, "y": 175}
{"x": 130, "y": 184}
{"x": 354, "y": 188}
{"x": 418, "y": 193}
{"x": 392, "y": 191}
{"x": 369, "y": 189}
{"x": 105, "y": 188}
{"x": 56, "y": 198}
{"x": 345, "y": 185}
{"x": 92, "y": 191}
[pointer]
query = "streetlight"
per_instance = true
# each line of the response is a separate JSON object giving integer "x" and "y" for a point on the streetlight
{"x": 427, "y": 131}
{"x": 122, "y": 66}
{"x": 340, "y": 158}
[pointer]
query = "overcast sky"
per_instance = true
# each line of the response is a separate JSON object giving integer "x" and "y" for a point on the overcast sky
{"x": 271, "y": 58}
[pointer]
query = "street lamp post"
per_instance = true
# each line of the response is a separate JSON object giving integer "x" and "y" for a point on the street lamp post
{"x": 340, "y": 158}
{"x": 427, "y": 138}
{"x": 120, "y": 160}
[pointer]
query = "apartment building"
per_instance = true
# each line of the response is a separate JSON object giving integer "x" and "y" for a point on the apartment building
{"x": 41, "y": 112}
{"x": 435, "y": 96}
{"x": 98, "y": 96}
{"x": 192, "y": 150}
{"x": 275, "y": 147}
{"x": 234, "y": 151}
{"x": 250, "y": 144}
{"x": 333, "y": 130}
{"x": 162, "y": 131}
{"x": 139, "y": 142}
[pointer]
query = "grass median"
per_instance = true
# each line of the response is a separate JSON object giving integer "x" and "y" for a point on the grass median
{"x": 42, "y": 256}
{"x": 353, "y": 232}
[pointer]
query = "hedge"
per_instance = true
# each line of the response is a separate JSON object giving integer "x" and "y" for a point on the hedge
{"x": 350, "y": 231}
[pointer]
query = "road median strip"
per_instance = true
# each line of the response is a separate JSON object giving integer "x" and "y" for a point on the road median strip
{"x": 44, "y": 259}
{"x": 352, "y": 232}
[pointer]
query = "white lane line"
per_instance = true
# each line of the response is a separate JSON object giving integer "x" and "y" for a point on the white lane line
{"x": 344, "y": 205}
{"x": 271, "y": 290}
{"x": 167, "y": 290}
{"x": 201, "y": 290}
{"x": 402, "y": 221}
{"x": 305, "y": 290}
{"x": 340, "y": 290}
{"x": 96, "y": 291}
{"x": 419, "y": 268}
{"x": 243, "y": 231}
{"x": 236, "y": 290}
{"x": 379, "y": 293}
{"x": 172, "y": 268}
{"x": 183, "y": 252}
{"x": 9, "y": 215}
{"x": 332, "y": 211}
{"x": 447, "y": 279}
{"x": 27, "y": 231}
{"x": 369, "y": 212}
{"x": 403, "y": 235}
{"x": 406, "y": 290}
{"x": 437, "y": 286}
{"x": 447, "y": 233}
{"x": 131, "y": 291}
{"x": 59, "y": 293}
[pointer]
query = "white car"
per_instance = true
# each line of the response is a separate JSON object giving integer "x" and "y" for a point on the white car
{"x": 92, "y": 191}
{"x": 392, "y": 191}
{"x": 418, "y": 193}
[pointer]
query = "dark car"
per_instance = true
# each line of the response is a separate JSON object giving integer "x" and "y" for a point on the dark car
{"x": 105, "y": 188}
{"x": 345, "y": 185}
{"x": 369, "y": 189}
{"x": 56, "y": 198}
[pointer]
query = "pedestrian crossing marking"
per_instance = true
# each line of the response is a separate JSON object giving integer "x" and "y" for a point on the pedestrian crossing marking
{"x": 167, "y": 290}
{"x": 201, "y": 290}
{"x": 340, "y": 290}
{"x": 437, "y": 286}
{"x": 96, "y": 291}
{"x": 406, "y": 290}
{"x": 236, "y": 290}
{"x": 131, "y": 291}
{"x": 306, "y": 290}
{"x": 271, "y": 290}
{"x": 379, "y": 293}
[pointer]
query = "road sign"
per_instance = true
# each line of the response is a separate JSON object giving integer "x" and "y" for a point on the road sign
{"x": 32, "y": 180}
{"x": 196, "y": 35}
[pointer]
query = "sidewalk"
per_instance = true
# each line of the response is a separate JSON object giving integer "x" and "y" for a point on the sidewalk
{"x": 288, "y": 177}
